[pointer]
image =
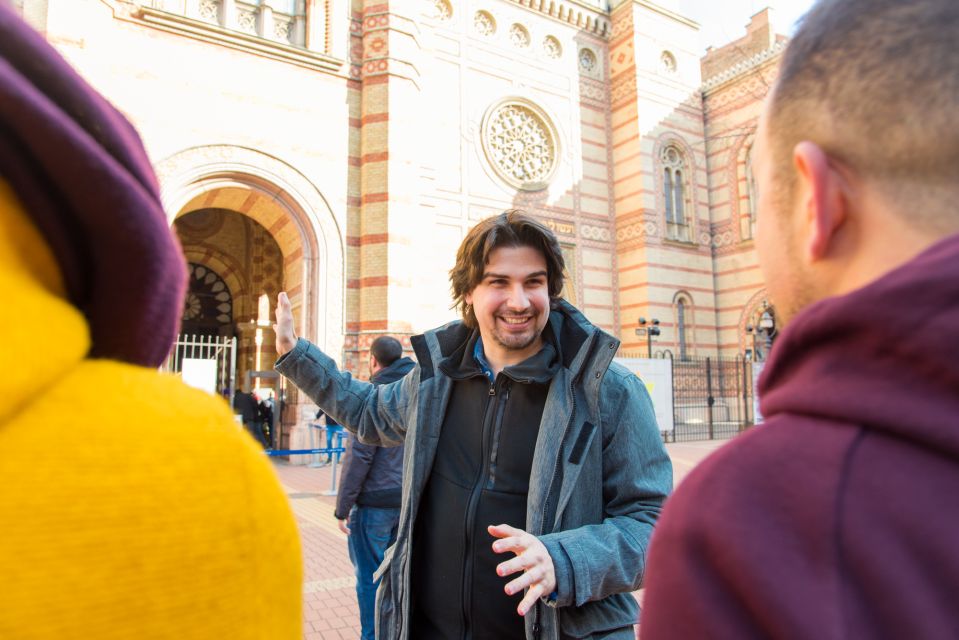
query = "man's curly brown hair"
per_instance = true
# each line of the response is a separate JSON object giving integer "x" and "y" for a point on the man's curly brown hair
{"x": 511, "y": 228}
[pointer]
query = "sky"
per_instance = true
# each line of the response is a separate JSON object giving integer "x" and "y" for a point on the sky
{"x": 726, "y": 20}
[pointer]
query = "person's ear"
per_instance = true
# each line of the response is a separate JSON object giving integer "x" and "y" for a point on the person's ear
{"x": 822, "y": 189}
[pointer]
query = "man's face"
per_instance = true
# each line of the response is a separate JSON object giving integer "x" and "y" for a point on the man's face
{"x": 511, "y": 302}
{"x": 777, "y": 239}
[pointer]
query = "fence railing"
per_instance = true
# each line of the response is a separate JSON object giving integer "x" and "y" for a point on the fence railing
{"x": 712, "y": 397}
{"x": 219, "y": 349}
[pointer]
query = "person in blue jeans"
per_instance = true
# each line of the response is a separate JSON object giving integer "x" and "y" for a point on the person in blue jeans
{"x": 333, "y": 431}
{"x": 368, "y": 503}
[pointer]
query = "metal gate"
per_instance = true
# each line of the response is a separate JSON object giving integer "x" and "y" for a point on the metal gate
{"x": 220, "y": 349}
{"x": 712, "y": 397}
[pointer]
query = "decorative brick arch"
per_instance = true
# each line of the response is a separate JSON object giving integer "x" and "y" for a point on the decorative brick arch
{"x": 289, "y": 206}
{"x": 737, "y": 179}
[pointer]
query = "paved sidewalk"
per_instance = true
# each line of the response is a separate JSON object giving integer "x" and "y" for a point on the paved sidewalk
{"x": 329, "y": 599}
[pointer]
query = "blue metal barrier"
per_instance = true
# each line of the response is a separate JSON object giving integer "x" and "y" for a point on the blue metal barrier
{"x": 299, "y": 452}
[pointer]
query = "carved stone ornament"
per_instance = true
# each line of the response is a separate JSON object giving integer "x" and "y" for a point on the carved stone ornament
{"x": 552, "y": 48}
{"x": 519, "y": 36}
{"x": 484, "y": 24}
{"x": 440, "y": 10}
{"x": 668, "y": 62}
{"x": 520, "y": 143}
{"x": 587, "y": 60}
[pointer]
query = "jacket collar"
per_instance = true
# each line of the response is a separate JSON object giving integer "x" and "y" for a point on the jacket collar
{"x": 572, "y": 339}
{"x": 539, "y": 368}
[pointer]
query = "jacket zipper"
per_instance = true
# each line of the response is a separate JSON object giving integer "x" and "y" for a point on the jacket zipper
{"x": 549, "y": 490}
{"x": 489, "y": 426}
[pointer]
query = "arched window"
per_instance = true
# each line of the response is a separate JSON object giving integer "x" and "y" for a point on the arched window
{"x": 683, "y": 312}
{"x": 748, "y": 222}
{"x": 681, "y": 327}
{"x": 674, "y": 191}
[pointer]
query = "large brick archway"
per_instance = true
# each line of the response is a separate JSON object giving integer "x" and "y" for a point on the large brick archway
{"x": 294, "y": 213}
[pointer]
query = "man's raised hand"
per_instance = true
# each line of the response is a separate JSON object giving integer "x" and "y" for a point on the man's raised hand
{"x": 532, "y": 559}
{"x": 285, "y": 335}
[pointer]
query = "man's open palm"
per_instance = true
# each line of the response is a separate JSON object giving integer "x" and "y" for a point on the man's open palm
{"x": 285, "y": 335}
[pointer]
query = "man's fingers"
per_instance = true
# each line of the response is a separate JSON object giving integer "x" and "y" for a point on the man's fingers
{"x": 528, "y": 579}
{"x": 519, "y": 563}
{"x": 535, "y": 593}
{"x": 504, "y": 531}
{"x": 516, "y": 544}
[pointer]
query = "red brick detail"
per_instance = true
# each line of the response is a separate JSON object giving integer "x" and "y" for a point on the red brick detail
{"x": 296, "y": 255}
{"x": 279, "y": 224}
{"x": 375, "y": 197}
{"x": 374, "y": 325}
{"x": 382, "y": 156}
{"x": 249, "y": 202}
{"x": 374, "y": 238}
{"x": 375, "y": 281}
{"x": 376, "y": 117}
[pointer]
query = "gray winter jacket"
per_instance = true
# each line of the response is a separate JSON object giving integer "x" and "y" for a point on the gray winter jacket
{"x": 600, "y": 472}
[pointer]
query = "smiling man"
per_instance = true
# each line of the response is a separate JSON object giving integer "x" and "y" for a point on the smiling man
{"x": 534, "y": 467}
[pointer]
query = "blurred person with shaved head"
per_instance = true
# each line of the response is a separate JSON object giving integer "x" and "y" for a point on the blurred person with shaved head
{"x": 837, "y": 518}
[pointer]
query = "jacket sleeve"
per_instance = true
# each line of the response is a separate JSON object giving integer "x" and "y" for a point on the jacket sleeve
{"x": 376, "y": 414}
{"x": 597, "y": 560}
{"x": 356, "y": 467}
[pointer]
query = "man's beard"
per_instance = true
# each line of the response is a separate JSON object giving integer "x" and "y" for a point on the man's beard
{"x": 516, "y": 342}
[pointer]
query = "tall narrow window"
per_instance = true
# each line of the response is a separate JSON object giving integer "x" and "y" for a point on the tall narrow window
{"x": 674, "y": 192}
{"x": 668, "y": 191}
{"x": 748, "y": 222}
{"x": 679, "y": 198}
{"x": 681, "y": 323}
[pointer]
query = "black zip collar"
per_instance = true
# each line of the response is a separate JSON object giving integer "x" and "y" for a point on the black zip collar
{"x": 539, "y": 368}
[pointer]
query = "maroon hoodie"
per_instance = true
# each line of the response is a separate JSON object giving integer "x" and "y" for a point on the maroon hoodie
{"x": 839, "y": 517}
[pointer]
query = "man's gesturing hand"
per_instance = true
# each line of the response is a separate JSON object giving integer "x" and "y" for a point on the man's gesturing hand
{"x": 285, "y": 336}
{"x": 531, "y": 557}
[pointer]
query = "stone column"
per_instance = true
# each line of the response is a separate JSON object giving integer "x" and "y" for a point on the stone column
{"x": 387, "y": 213}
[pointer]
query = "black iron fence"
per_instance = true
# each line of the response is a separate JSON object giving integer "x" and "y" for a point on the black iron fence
{"x": 712, "y": 398}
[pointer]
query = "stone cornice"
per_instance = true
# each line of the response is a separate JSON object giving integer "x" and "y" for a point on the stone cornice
{"x": 583, "y": 14}
{"x": 666, "y": 12}
{"x": 742, "y": 68}
{"x": 199, "y": 30}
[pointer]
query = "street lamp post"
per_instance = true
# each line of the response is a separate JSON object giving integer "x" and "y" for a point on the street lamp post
{"x": 648, "y": 329}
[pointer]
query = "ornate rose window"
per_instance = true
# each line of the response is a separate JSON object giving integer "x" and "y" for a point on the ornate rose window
{"x": 521, "y": 143}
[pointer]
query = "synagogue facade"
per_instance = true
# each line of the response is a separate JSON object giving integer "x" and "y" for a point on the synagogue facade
{"x": 340, "y": 149}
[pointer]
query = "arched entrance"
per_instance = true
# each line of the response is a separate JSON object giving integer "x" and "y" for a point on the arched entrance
{"x": 261, "y": 227}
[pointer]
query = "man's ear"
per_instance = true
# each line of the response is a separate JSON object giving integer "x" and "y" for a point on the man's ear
{"x": 822, "y": 199}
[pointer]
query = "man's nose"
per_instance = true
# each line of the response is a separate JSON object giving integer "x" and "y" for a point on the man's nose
{"x": 518, "y": 300}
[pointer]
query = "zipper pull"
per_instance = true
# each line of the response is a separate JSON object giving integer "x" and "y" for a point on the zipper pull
{"x": 492, "y": 389}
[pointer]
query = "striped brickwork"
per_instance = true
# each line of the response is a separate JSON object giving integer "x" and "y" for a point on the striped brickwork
{"x": 652, "y": 108}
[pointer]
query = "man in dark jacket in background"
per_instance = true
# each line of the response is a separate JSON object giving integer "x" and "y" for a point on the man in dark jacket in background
{"x": 838, "y": 518}
{"x": 368, "y": 503}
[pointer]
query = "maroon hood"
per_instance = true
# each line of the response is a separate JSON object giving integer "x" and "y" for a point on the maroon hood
{"x": 81, "y": 173}
{"x": 885, "y": 356}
